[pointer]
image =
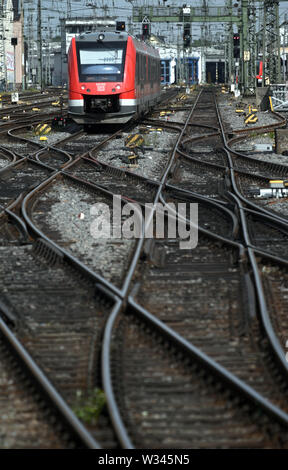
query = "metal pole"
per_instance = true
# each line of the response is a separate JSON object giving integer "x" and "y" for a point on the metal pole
{"x": 178, "y": 58}
{"x": 23, "y": 52}
{"x": 225, "y": 64}
{"x": 278, "y": 61}
{"x": 231, "y": 68}
{"x": 183, "y": 51}
{"x": 244, "y": 46}
{"x": 49, "y": 65}
{"x": 39, "y": 37}
{"x": 264, "y": 46}
{"x": 14, "y": 75}
{"x": 283, "y": 53}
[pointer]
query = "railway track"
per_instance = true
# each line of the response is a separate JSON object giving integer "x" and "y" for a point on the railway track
{"x": 153, "y": 278}
{"x": 39, "y": 346}
{"x": 185, "y": 345}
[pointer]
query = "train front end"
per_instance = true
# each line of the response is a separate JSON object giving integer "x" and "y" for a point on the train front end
{"x": 101, "y": 68}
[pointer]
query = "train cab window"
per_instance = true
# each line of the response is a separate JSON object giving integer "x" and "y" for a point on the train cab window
{"x": 101, "y": 61}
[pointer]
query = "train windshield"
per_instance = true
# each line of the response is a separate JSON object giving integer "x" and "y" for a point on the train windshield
{"x": 101, "y": 61}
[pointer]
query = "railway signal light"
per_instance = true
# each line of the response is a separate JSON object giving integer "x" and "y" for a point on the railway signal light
{"x": 145, "y": 30}
{"x": 236, "y": 46}
{"x": 120, "y": 25}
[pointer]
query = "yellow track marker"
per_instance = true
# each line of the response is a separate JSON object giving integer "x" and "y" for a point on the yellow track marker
{"x": 42, "y": 129}
{"x": 135, "y": 140}
{"x": 251, "y": 119}
{"x": 271, "y": 105}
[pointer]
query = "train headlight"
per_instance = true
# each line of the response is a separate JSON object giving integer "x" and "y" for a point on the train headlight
{"x": 82, "y": 87}
{"x": 118, "y": 87}
{"x": 101, "y": 37}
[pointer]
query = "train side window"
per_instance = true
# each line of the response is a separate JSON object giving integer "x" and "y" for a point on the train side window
{"x": 141, "y": 67}
{"x": 137, "y": 69}
{"x": 149, "y": 69}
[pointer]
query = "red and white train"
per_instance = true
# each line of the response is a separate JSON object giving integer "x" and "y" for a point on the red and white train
{"x": 113, "y": 77}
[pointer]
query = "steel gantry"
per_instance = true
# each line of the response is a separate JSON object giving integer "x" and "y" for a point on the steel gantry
{"x": 252, "y": 47}
{"x": 245, "y": 23}
{"x": 219, "y": 14}
{"x": 248, "y": 46}
{"x": 271, "y": 41}
{"x": 230, "y": 58}
{"x": 187, "y": 14}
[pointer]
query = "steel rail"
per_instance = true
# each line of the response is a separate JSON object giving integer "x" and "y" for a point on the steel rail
{"x": 254, "y": 207}
{"x": 200, "y": 137}
{"x": 257, "y": 208}
{"x": 274, "y": 166}
{"x": 70, "y": 258}
{"x": 114, "y": 413}
{"x": 212, "y": 203}
{"x": 109, "y": 290}
{"x": 178, "y": 189}
{"x": 121, "y": 172}
{"x": 122, "y": 296}
{"x": 35, "y": 119}
{"x": 281, "y": 123}
{"x": 250, "y": 393}
{"x": 24, "y": 160}
{"x": 63, "y": 409}
{"x": 107, "y": 340}
{"x": 133, "y": 265}
{"x": 18, "y": 222}
{"x": 264, "y": 315}
{"x": 215, "y": 166}
{"x": 66, "y": 154}
{"x": 24, "y": 106}
{"x": 172, "y": 123}
{"x": 10, "y": 153}
{"x": 236, "y": 170}
{"x": 214, "y": 367}
{"x": 57, "y": 173}
{"x": 276, "y": 346}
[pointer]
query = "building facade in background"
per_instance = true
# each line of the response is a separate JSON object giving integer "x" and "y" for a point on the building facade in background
{"x": 11, "y": 45}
